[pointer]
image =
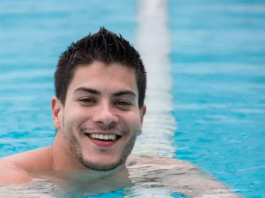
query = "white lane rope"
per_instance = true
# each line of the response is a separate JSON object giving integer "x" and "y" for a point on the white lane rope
{"x": 153, "y": 43}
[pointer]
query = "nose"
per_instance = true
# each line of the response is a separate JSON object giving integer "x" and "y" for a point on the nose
{"x": 105, "y": 116}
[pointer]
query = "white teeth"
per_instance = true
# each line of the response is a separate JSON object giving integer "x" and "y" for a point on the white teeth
{"x": 113, "y": 137}
{"x": 103, "y": 137}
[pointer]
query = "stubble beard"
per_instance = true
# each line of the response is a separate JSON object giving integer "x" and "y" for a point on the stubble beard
{"x": 76, "y": 150}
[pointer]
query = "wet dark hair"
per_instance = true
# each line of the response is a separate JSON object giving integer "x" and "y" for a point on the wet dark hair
{"x": 103, "y": 46}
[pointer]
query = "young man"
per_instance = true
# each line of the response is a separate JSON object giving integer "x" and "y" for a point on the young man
{"x": 98, "y": 112}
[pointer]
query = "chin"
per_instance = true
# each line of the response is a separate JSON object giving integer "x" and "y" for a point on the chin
{"x": 102, "y": 162}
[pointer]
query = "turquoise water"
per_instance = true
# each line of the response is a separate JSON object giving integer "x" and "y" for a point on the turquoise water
{"x": 217, "y": 66}
{"x": 218, "y": 57}
{"x": 32, "y": 38}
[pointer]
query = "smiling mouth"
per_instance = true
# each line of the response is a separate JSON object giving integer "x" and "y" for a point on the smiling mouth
{"x": 97, "y": 138}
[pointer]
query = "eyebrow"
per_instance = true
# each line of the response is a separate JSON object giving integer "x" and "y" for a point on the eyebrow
{"x": 85, "y": 89}
{"x": 121, "y": 93}
{"x": 96, "y": 92}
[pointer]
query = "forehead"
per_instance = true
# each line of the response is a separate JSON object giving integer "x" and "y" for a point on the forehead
{"x": 111, "y": 77}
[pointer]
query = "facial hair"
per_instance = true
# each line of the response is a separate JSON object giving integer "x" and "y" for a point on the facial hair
{"x": 76, "y": 150}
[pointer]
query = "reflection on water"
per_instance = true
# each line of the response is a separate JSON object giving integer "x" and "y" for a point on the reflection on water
{"x": 141, "y": 177}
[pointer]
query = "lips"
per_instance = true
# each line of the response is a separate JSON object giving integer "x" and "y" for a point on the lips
{"x": 110, "y": 137}
{"x": 103, "y": 140}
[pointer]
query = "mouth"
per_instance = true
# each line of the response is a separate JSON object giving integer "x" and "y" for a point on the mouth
{"x": 103, "y": 140}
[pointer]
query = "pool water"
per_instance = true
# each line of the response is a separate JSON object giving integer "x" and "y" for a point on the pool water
{"x": 206, "y": 79}
{"x": 218, "y": 67}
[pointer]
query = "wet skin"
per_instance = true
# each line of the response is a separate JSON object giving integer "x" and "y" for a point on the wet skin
{"x": 102, "y": 100}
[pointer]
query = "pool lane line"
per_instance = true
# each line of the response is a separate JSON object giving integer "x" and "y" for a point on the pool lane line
{"x": 153, "y": 43}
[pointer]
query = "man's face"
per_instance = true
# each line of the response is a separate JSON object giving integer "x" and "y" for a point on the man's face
{"x": 101, "y": 117}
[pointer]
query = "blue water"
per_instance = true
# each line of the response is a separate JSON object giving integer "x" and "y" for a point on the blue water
{"x": 218, "y": 71}
{"x": 218, "y": 57}
{"x": 119, "y": 193}
{"x": 32, "y": 37}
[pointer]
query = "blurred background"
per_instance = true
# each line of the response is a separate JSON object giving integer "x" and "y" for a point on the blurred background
{"x": 206, "y": 77}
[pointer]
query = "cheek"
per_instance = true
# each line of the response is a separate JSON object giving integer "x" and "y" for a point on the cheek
{"x": 133, "y": 121}
{"x": 73, "y": 117}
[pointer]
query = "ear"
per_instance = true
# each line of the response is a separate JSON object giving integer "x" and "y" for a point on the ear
{"x": 56, "y": 111}
{"x": 142, "y": 114}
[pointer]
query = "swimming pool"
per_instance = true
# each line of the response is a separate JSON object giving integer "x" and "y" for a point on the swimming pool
{"x": 211, "y": 85}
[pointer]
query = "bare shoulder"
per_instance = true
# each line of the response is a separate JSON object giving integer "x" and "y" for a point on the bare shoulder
{"x": 162, "y": 162}
{"x": 16, "y": 168}
{"x": 10, "y": 174}
{"x": 176, "y": 166}
{"x": 179, "y": 174}
{"x": 34, "y": 160}
{"x": 157, "y": 159}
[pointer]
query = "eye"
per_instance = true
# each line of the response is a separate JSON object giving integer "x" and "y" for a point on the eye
{"x": 123, "y": 103}
{"x": 87, "y": 100}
